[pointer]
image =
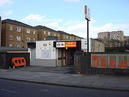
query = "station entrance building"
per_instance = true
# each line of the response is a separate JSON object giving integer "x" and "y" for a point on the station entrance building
{"x": 53, "y": 53}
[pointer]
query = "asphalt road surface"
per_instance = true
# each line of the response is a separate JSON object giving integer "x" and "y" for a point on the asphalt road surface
{"x": 23, "y": 89}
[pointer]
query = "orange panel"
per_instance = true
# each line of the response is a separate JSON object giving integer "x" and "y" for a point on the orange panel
{"x": 95, "y": 61}
{"x": 103, "y": 61}
{"x": 112, "y": 61}
{"x": 18, "y": 61}
{"x": 70, "y": 44}
{"x": 123, "y": 62}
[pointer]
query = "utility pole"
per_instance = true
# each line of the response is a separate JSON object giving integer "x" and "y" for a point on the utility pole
{"x": 87, "y": 17}
{"x": 87, "y": 35}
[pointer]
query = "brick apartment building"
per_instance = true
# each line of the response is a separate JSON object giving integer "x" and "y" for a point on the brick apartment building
{"x": 45, "y": 33}
{"x": 66, "y": 36}
{"x": 17, "y": 34}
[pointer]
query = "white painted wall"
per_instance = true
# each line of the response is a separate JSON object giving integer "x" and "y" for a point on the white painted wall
{"x": 45, "y": 50}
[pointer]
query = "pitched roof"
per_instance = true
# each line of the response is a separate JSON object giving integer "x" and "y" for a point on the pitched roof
{"x": 63, "y": 32}
{"x": 44, "y": 27}
{"x": 69, "y": 34}
{"x": 38, "y": 27}
{"x": 16, "y": 22}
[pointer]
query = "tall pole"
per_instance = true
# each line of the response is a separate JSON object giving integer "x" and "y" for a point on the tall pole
{"x": 87, "y": 17}
{"x": 87, "y": 35}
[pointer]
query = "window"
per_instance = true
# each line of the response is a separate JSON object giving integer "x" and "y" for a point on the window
{"x": 10, "y": 45}
{"x": 28, "y": 31}
{"x": 49, "y": 33}
{"x": 18, "y": 38}
{"x": 34, "y": 32}
{"x": 54, "y": 34}
{"x": 18, "y": 29}
{"x": 10, "y": 37}
{"x": 44, "y": 32}
{"x": 10, "y": 28}
{"x": 18, "y": 46}
{"x": 27, "y": 38}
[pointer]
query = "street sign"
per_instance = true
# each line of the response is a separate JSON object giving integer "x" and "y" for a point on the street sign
{"x": 70, "y": 44}
{"x": 87, "y": 12}
{"x": 65, "y": 44}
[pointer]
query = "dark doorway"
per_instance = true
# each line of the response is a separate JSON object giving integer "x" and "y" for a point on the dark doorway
{"x": 70, "y": 56}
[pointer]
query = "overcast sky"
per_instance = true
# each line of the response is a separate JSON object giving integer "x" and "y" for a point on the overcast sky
{"x": 68, "y": 15}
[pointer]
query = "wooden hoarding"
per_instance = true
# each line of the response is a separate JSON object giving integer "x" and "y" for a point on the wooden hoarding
{"x": 110, "y": 60}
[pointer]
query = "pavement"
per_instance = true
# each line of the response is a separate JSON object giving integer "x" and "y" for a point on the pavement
{"x": 63, "y": 77}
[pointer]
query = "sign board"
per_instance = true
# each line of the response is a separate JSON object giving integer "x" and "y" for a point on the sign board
{"x": 84, "y": 44}
{"x": 70, "y": 44}
{"x": 65, "y": 44}
{"x": 60, "y": 44}
{"x": 87, "y": 12}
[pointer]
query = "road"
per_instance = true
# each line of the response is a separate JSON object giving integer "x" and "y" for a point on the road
{"x": 23, "y": 89}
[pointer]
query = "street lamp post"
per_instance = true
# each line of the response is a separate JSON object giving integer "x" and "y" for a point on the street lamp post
{"x": 87, "y": 17}
{"x": 87, "y": 35}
